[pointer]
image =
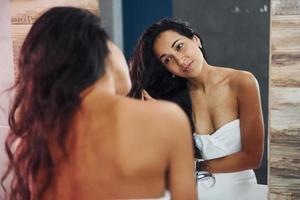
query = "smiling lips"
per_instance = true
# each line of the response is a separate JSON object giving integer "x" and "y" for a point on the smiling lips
{"x": 187, "y": 67}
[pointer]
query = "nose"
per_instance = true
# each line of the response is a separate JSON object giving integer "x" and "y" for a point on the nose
{"x": 181, "y": 60}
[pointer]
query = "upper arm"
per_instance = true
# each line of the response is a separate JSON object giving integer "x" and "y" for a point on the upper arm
{"x": 181, "y": 161}
{"x": 250, "y": 114}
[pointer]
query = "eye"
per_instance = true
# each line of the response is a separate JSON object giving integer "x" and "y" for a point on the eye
{"x": 167, "y": 60}
{"x": 179, "y": 46}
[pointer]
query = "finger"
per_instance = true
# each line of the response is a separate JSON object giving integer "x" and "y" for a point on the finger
{"x": 146, "y": 95}
{"x": 142, "y": 96}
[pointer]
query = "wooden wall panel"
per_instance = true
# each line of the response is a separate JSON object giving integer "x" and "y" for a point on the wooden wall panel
{"x": 25, "y": 12}
{"x": 285, "y": 69}
{"x": 284, "y": 163}
{"x": 286, "y": 33}
{"x": 285, "y": 7}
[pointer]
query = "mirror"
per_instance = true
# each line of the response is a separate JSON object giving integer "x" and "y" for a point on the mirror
{"x": 235, "y": 34}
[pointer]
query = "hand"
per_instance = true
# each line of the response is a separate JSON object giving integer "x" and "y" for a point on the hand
{"x": 202, "y": 165}
{"x": 146, "y": 96}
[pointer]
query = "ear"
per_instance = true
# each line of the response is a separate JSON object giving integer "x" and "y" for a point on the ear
{"x": 197, "y": 41}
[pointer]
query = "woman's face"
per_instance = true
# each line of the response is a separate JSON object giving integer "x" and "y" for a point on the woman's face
{"x": 179, "y": 54}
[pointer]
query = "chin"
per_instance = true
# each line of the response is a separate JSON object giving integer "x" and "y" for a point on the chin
{"x": 190, "y": 75}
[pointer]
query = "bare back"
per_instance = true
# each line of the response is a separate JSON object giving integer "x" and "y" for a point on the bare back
{"x": 121, "y": 148}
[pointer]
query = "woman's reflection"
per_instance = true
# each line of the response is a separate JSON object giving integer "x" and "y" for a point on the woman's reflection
{"x": 223, "y": 104}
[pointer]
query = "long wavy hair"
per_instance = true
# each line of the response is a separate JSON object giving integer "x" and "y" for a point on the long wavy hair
{"x": 148, "y": 72}
{"x": 63, "y": 54}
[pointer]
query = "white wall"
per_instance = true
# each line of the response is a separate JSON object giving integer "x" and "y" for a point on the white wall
{"x": 6, "y": 58}
{"x": 6, "y": 77}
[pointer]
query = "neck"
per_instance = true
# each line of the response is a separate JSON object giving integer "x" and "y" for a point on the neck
{"x": 203, "y": 79}
{"x": 104, "y": 85}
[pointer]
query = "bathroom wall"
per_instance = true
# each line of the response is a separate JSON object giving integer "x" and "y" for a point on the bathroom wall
{"x": 284, "y": 115}
{"x": 16, "y": 18}
{"x": 6, "y": 77}
{"x": 284, "y": 99}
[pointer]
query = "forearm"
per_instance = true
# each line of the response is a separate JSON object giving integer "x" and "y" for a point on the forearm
{"x": 236, "y": 162}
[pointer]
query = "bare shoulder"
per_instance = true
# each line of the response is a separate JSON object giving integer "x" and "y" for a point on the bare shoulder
{"x": 223, "y": 73}
{"x": 176, "y": 118}
{"x": 160, "y": 111}
{"x": 242, "y": 80}
{"x": 162, "y": 116}
{"x": 165, "y": 110}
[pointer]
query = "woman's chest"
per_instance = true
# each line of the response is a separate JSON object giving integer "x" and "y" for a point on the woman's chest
{"x": 213, "y": 109}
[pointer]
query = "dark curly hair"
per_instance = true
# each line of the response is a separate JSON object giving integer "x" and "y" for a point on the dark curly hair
{"x": 148, "y": 72}
{"x": 62, "y": 55}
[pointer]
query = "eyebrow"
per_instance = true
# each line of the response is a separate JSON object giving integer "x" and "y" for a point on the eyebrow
{"x": 174, "y": 43}
{"x": 171, "y": 47}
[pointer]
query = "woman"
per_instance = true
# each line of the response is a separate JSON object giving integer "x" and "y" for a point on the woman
{"x": 223, "y": 104}
{"x": 73, "y": 133}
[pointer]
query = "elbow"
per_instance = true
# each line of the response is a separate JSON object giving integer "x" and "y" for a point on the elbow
{"x": 256, "y": 164}
{"x": 253, "y": 160}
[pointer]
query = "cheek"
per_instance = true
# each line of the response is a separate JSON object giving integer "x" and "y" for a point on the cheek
{"x": 194, "y": 50}
{"x": 196, "y": 53}
{"x": 201, "y": 58}
{"x": 171, "y": 68}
